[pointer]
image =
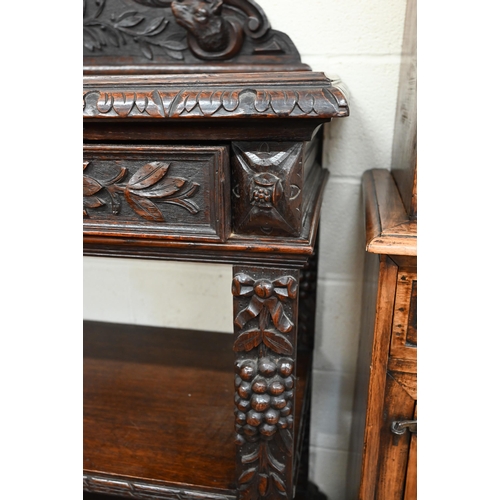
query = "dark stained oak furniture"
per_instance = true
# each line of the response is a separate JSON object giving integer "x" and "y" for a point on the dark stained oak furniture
{"x": 202, "y": 142}
{"x": 383, "y": 462}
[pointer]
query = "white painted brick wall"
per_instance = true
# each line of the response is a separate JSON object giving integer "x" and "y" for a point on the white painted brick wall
{"x": 359, "y": 40}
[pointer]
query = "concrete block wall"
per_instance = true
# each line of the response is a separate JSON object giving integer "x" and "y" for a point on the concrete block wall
{"x": 360, "y": 41}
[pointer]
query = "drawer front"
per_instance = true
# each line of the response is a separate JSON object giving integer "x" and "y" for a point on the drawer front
{"x": 174, "y": 192}
{"x": 404, "y": 325}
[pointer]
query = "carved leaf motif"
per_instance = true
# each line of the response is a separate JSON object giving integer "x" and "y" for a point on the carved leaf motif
{"x": 277, "y": 342}
{"x": 130, "y": 21}
{"x": 287, "y": 440}
{"x": 123, "y": 102}
{"x": 153, "y": 25}
{"x": 105, "y": 102}
{"x": 148, "y": 175}
{"x": 127, "y": 13}
{"x": 173, "y": 45}
{"x": 209, "y": 101}
{"x": 251, "y": 457}
{"x": 166, "y": 187}
{"x": 262, "y": 101}
{"x": 141, "y": 102}
{"x": 248, "y": 475}
{"x": 144, "y": 207}
{"x": 113, "y": 38}
{"x": 154, "y": 3}
{"x": 174, "y": 54}
{"x": 93, "y": 202}
{"x": 283, "y": 101}
{"x": 187, "y": 204}
{"x": 146, "y": 50}
{"x": 118, "y": 177}
{"x": 191, "y": 101}
{"x": 277, "y": 465}
{"x": 263, "y": 484}
{"x": 231, "y": 100}
{"x": 280, "y": 485}
{"x": 90, "y": 186}
{"x": 246, "y": 341}
{"x": 306, "y": 102}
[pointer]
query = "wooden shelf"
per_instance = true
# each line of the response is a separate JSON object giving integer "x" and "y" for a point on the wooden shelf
{"x": 158, "y": 411}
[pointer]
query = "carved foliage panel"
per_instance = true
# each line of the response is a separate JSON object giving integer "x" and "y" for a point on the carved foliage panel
{"x": 173, "y": 32}
{"x": 267, "y": 188}
{"x": 265, "y": 312}
{"x": 158, "y": 190}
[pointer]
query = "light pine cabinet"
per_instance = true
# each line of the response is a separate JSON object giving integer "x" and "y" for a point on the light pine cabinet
{"x": 383, "y": 463}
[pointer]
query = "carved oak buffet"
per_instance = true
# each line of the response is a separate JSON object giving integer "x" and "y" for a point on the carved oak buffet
{"x": 202, "y": 142}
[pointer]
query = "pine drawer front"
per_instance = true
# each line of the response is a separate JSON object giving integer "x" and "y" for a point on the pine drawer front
{"x": 172, "y": 192}
{"x": 404, "y": 325}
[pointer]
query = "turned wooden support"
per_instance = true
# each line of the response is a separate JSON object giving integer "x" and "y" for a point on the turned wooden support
{"x": 265, "y": 327}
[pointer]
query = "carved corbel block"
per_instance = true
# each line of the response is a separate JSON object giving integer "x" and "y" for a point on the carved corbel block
{"x": 267, "y": 189}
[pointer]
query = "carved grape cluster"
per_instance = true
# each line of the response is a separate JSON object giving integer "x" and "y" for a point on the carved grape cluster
{"x": 264, "y": 393}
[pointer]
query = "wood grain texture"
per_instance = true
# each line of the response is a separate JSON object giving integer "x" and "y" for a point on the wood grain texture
{"x": 378, "y": 378}
{"x": 389, "y": 230}
{"x": 147, "y": 413}
{"x": 386, "y": 382}
{"x": 394, "y": 449}
{"x": 404, "y": 326}
{"x": 237, "y": 129}
{"x": 404, "y": 150}
{"x": 411, "y": 474}
{"x": 149, "y": 420}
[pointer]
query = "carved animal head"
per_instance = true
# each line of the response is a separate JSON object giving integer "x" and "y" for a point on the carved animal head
{"x": 210, "y": 34}
{"x": 198, "y": 15}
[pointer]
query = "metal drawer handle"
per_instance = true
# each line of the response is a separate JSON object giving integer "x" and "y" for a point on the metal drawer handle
{"x": 399, "y": 427}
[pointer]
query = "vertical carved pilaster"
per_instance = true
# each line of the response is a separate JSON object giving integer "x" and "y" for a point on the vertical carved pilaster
{"x": 267, "y": 190}
{"x": 266, "y": 314}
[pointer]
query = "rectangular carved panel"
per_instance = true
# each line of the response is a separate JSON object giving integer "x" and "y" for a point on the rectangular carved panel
{"x": 267, "y": 188}
{"x": 158, "y": 191}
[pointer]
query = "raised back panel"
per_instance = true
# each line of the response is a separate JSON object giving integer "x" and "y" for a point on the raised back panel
{"x": 172, "y": 36}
